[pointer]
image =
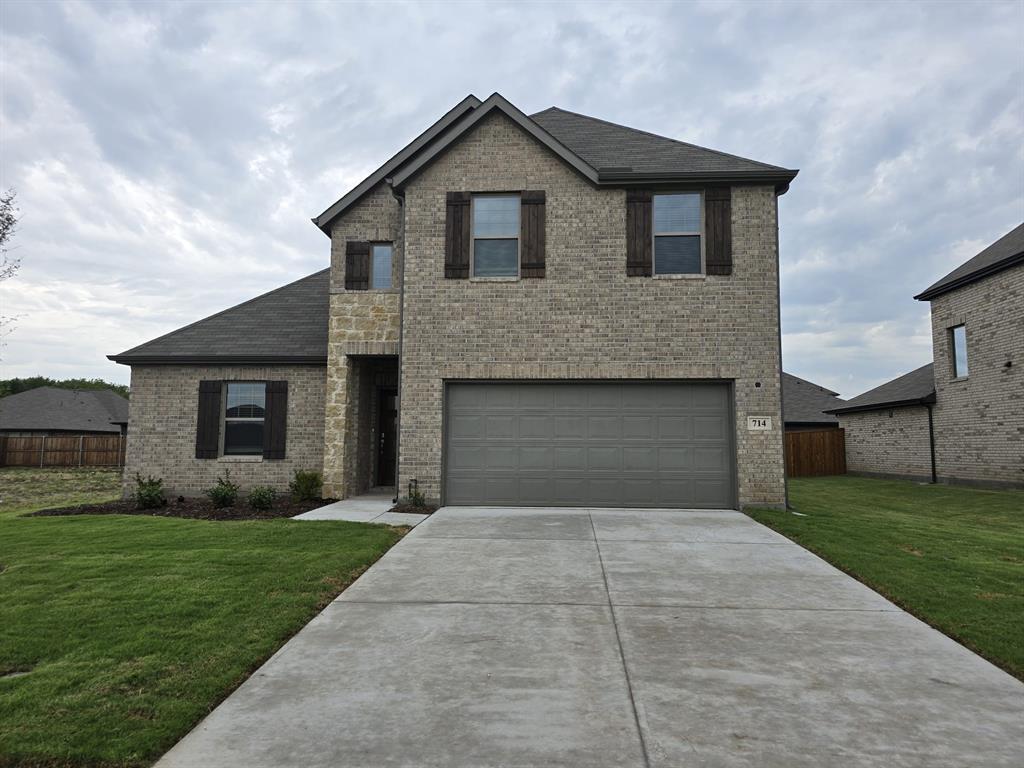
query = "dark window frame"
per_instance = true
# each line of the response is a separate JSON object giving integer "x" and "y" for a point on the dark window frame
{"x": 957, "y": 374}
{"x": 225, "y": 419}
{"x": 391, "y": 275}
{"x": 473, "y": 237}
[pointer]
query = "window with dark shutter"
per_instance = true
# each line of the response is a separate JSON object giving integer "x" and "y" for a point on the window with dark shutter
{"x": 275, "y": 420}
{"x": 533, "y": 235}
{"x": 208, "y": 420}
{"x": 457, "y": 236}
{"x": 718, "y": 229}
{"x": 638, "y": 233}
{"x": 357, "y": 265}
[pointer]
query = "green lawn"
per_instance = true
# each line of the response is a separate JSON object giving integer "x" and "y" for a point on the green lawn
{"x": 132, "y": 628}
{"x": 952, "y": 556}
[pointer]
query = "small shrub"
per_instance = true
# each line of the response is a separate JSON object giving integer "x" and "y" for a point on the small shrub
{"x": 416, "y": 498}
{"x": 261, "y": 498}
{"x": 224, "y": 493}
{"x": 307, "y": 485}
{"x": 149, "y": 492}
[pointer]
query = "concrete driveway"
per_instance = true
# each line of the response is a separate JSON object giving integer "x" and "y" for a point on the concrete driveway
{"x": 515, "y": 637}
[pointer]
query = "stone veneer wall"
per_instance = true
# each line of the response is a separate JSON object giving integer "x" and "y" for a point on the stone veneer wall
{"x": 586, "y": 319}
{"x": 361, "y": 323}
{"x": 162, "y": 416}
{"x": 889, "y": 442}
{"x": 979, "y": 420}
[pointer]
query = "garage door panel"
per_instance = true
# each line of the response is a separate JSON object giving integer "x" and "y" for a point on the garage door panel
{"x": 666, "y": 444}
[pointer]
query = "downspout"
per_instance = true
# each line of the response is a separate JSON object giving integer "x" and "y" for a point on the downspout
{"x": 401, "y": 333}
{"x": 778, "y": 318}
{"x": 931, "y": 441}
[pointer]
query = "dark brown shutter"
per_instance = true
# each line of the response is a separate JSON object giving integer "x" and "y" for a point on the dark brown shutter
{"x": 638, "y": 233}
{"x": 275, "y": 420}
{"x": 208, "y": 421}
{"x": 456, "y": 236}
{"x": 357, "y": 265}
{"x": 718, "y": 229}
{"x": 532, "y": 224}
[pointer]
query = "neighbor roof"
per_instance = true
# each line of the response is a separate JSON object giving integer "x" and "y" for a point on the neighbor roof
{"x": 51, "y": 409}
{"x": 914, "y": 388}
{"x": 1002, "y": 254}
{"x": 804, "y": 402}
{"x": 602, "y": 152}
{"x": 287, "y": 325}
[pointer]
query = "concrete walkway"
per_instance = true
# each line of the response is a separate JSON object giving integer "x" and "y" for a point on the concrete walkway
{"x": 493, "y": 637}
{"x": 371, "y": 508}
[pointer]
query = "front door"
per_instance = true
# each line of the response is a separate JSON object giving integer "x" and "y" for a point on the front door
{"x": 387, "y": 431}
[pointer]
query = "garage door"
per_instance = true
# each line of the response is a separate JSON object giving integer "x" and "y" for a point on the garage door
{"x": 666, "y": 444}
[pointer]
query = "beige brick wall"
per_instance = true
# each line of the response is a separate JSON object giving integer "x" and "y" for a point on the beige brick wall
{"x": 891, "y": 442}
{"x": 162, "y": 427}
{"x": 586, "y": 319}
{"x": 979, "y": 421}
{"x": 362, "y": 323}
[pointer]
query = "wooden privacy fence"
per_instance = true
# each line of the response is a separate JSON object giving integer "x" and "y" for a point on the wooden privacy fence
{"x": 816, "y": 452}
{"x": 62, "y": 451}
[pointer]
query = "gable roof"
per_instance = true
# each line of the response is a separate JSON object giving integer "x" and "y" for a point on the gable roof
{"x": 459, "y": 110}
{"x": 288, "y": 325}
{"x": 1002, "y": 254}
{"x": 804, "y": 402}
{"x": 47, "y": 409}
{"x": 623, "y": 154}
{"x": 914, "y": 388}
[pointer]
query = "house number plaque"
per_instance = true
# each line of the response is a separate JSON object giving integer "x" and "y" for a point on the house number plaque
{"x": 759, "y": 423}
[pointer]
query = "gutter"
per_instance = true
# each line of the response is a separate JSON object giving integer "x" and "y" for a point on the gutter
{"x": 778, "y": 321}
{"x": 218, "y": 359}
{"x": 930, "y": 293}
{"x": 931, "y": 441}
{"x": 400, "y": 197}
{"x": 926, "y": 400}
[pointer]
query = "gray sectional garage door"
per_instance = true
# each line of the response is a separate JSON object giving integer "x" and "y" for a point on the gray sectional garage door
{"x": 665, "y": 444}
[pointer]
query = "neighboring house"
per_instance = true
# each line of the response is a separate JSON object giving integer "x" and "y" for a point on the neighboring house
{"x": 804, "y": 405}
{"x": 960, "y": 419}
{"x": 53, "y": 410}
{"x": 545, "y": 309}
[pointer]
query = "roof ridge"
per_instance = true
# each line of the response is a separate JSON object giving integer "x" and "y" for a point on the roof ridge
{"x": 223, "y": 311}
{"x": 659, "y": 136}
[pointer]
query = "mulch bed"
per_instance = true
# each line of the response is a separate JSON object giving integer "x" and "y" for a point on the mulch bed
{"x": 405, "y": 507}
{"x": 192, "y": 508}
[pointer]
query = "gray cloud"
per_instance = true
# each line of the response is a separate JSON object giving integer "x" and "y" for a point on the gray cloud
{"x": 169, "y": 156}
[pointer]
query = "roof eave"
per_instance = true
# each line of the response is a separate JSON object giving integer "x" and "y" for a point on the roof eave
{"x": 780, "y": 178}
{"x": 219, "y": 359}
{"x": 926, "y": 400}
{"x": 938, "y": 288}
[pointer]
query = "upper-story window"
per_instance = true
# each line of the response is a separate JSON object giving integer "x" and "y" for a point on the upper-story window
{"x": 380, "y": 265}
{"x": 245, "y": 406}
{"x": 958, "y": 341}
{"x": 495, "y": 236}
{"x": 678, "y": 233}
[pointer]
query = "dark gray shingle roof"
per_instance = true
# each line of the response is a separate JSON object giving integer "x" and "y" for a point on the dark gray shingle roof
{"x": 47, "y": 409}
{"x": 288, "y": 324}
{"x": 609, "y": 146}
{"x": 804, "y": 402}
{"x": 909, "y": 389}
{"x": 1004, "y": 252}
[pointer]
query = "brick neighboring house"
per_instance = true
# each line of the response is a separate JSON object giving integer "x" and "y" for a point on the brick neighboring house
{"x": 545, "y": 309}
{"x": 961, "y": 418}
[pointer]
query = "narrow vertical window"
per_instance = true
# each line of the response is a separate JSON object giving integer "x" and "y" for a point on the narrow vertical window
{"x": 380, "y": 265}
{"x": 496, "y": 236}
{"x": 958, "y": 334}
{"x": 245, "y": 406}
{"x": 677, "y": 234}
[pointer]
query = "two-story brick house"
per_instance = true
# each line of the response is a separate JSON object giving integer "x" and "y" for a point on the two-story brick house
{"x": 520, "y": 310}
{"x": 960, "y": 418}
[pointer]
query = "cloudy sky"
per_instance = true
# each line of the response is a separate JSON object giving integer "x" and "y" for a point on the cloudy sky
{"x": 168, "y": 157}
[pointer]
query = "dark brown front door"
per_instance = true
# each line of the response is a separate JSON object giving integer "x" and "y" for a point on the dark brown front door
{"x": 387, "y": 429}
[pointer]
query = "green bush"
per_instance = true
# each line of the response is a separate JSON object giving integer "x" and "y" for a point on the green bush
{"x": 307, "y": 485}
{"x": 224, "y": 493}
{"x": 149, "y": 492}
{"x": 416, "y": 498}
{"x": 261, "y": 497}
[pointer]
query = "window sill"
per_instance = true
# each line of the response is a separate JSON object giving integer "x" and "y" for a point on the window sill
{"x": 680, "y": 277}
{"x": 503, "y": 279}
{"x": 956, "y": 379}
{"x": 368, "y": 290}
{"x": 241, "y": 459}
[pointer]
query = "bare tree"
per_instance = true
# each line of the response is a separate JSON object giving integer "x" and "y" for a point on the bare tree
{"x": 9, "y": 265}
